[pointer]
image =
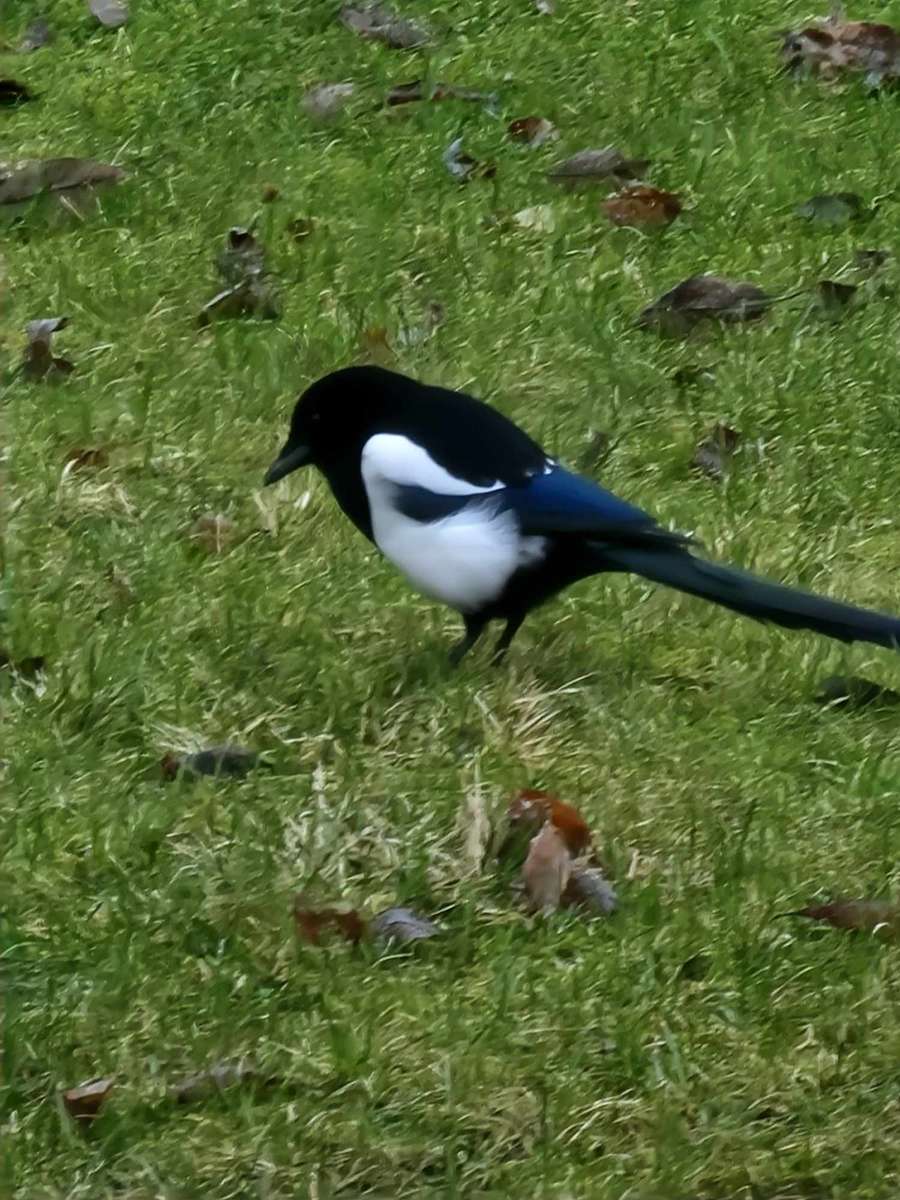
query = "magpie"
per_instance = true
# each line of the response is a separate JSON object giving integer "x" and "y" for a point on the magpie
{"x": 476, "y": 515}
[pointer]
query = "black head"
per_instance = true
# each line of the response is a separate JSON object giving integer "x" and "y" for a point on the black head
{"x": 336, "y": 414}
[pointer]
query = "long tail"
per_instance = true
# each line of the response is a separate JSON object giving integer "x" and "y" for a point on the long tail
{"x": 754, "y": 597}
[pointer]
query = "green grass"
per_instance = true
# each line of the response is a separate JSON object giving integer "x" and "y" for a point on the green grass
{"x": 145, "y": 929}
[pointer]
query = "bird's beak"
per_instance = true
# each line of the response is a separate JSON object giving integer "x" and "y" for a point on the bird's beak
{"x": 290, "y": 458}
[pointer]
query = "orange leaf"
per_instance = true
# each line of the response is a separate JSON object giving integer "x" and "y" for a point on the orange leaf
{"x": 312, "y": 923}
{"x": 84, "y": 1102}
{"x": 532, "y": 808}
{"x": 637, "y": 206}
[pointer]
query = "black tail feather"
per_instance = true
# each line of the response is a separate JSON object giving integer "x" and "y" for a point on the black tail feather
{"x": 747, "y": 594}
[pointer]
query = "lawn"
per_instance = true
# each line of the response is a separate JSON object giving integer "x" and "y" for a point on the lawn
{"x": 697, "y": 1045}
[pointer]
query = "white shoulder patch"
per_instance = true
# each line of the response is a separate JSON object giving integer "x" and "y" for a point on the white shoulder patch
{"x": 393, "y": 458}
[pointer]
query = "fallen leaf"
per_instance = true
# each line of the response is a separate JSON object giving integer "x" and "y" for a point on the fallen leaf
{"x": 703, "y": 296}
{"x": 378, "y": 23}
{"x": 111, "y": 13}
{"x": 588, "y": 888}
{"x": 252, "y": 297}
{"x": 82, "y": 458}
{"x": 219, "y": 761}
{"x": 607, "y": 165}
{"x": 300, "y": 228}
{"x": 713, "y": 455}
{"x": 83, "y": 1103}
{"x": 242, "y": 256}
{"x": 642, "y": 206}
{"x": 29, "y": 178}
{"x": 12, "y": 92}
{"x": 402, "y": 925}
{"x": 312, "y": 923}
{"x": 533, "y": 131}
{"x": 531, "y": 808}
{"x": 218, "y": 1079}
{"x": 850, "y": 691}
{"x": 269, "y": 194}
{"x": 39, "y": 361}
{"x": 37, "y": 34}
{"x": 324, "y": 102}
{"x": 864, "y": 915}
{"x": 547, "y": 869}
{"x": 834, "y": 208}
{"x": 540, "y": 218}
{"x": 374, "y": 344}
{"x": 835, "y": 45}
{"x": 420, "y": 89}
{"x": 214, "y": 532}
{"x": 27, "y": 668}
{"x": 463, "y": 167}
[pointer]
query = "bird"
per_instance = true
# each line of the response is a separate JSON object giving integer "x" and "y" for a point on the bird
{"x": 478, "y": 516}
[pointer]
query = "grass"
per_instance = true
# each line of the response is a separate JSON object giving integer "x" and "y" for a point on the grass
{"x": 145, "y": 929}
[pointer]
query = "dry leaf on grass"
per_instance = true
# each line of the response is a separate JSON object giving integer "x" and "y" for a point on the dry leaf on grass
{"x": 864, "y": 915}
{"x": 83, "y": 1103}
{"x": 713, "y": 454}
{"x": 607, "y": 166}
{"x": 589, "y": 889}
{"x": 87, "y": 458}
{"x": 402, "y": 925}
{"x": 213, "y": 532}
{"x": 12, "y": 93}
{"x": 37, "y": 34}
{"x": 420, "y": 89}
{"x": 850, "y": 691}
{"x": 219, "y": 1078}
{"x": 39, "y": 362}
{"x": 312, "y": 924}
{"x": 539, "y": 218}
{"x": 228, "y": 760}
{"x": 378, "y": 23}
{"x": 833, "y": 208}
{"x": 701, "y": 297}
{"x": 326, "y": 101}
{"x": 463, "y": 167}
{"x": 22, "y": 180}
{"x": 546, "y": 870}
{"x": 642, "y": 206}
{"x": 111, "y": 13}
{"x": 533, "y": 131}
{"x": 531, "y": 808}
{"x": 834, "y": 45}
{"x": 241, "y": 263}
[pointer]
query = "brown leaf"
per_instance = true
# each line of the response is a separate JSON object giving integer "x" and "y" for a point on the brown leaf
{"x": 589, "y": 889}
{"x": 83, "y": 1103}
{"x": 12, "y": 92}
{"x": 28, "y": 668}
{"x": 82, "y": 458}
{"x": 642, "y": 206}
{"x": 703, "y": 296}
{"x": 313, "y": 923}
{"x": 270, "y": 193}
{"x": 217, "y": 1079}
{"x": 326, "y": 101}
{"x": 38, "y": 361}
{"x": 219, "y": 761}
{"x": 530, "y": 809}
{"x": 402, "y": 925}
{"x": 111, "y": 13}
{"x": 214, "y": 532}
{"x": 864, "y": 915}
{"x": 547, "y": 869}
{"x": 851, "y": 692}
{"x": 252, "y": 297}
{"x": 714, "y": 453}
{"x": 21, "y": 181}
{"x": 835, "y": 45}
{"x": 374, "y": 344}
{"x": 377, "y": 23}
{"x": 463, "y": 167}
{"x": 608, "y": 166}
{"x": 419, "y": 89}
{"x": 37, "y": 34}
{"x": 300, "y": 228}
{"x": 533, "y": 131}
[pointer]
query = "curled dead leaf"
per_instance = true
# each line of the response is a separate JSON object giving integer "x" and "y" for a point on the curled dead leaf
{"x": 533, "y": 131}
{"x": 713, "y": 454}
{"x": 376, "y": 22}
{"x": 402, "y": 925}
{"x": 531, "y": 808}
{"x": 312, "y": 924}
{"x": 39, "y": 362}
{"x": 547, "y": 870}
{"x": 87, "y": 458}
{"x": 642, "y": 206}
{"x": 677, "y": 311}
{"x": 213, "y": 532}
{"x": 607, "y": 166}
{"x": 83, "y": 1103}
{"x": 865, "y": 916}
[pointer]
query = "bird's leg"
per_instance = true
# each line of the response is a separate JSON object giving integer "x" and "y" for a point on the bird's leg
{"x": 474, "y": 630}
{"x": 512, "y": 628}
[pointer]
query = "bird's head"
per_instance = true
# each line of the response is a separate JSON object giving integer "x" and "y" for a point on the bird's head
{"x": 335, "y": 416}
